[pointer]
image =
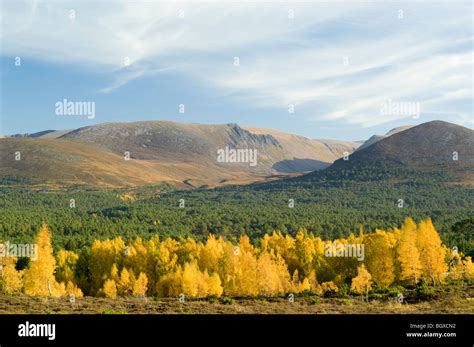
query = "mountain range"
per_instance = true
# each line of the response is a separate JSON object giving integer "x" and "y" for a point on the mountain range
{"x": 185, "y": 155}
{"x": 161, "y": 151}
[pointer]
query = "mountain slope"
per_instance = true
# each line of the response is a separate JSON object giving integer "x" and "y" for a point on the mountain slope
{"x": 186, "y": 155}
{"x": 50, "y": 134}
{"x": 295, "y": 146}
{"x": 180, "y": 154}
{"x": 278, "y": 152}
{"x": 53, "y": 162}
{"x": 429, "y": 147}
{"x": 376, "y": 138}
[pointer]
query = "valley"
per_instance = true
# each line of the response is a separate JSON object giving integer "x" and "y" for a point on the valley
{"x": 79, "y": 185}
{"x": 364, "y": 192}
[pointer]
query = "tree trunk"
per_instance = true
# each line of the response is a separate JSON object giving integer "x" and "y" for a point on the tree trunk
{"x": 49, "y": 288}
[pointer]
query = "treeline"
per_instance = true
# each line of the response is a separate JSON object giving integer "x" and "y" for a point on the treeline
{"x": 331, "y": 210}
{"x": 275, "y": 265}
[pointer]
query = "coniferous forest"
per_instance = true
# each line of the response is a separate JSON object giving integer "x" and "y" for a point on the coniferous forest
{"x": 266, "y": 240}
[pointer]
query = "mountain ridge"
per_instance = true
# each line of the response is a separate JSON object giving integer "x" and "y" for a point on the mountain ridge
{"x": 435, "y": 146}
{"x": 174, "y": 152}
{"x": 185, "y": 155}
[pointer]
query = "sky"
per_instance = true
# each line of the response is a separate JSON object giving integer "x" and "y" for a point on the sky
{"x": 341, "y": 70}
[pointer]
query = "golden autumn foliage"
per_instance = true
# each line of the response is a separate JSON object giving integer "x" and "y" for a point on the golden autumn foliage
{"x": 110, "y": 289}
{"x": 210, "y": 253}
{"x": 379, "y": 257}
{"x": 408, "y": 254}
{"x": 11, "y": 280}
{"x": 460, "y": 269}
{"x": 299, "y": 286}
{"x": 39, "y": 276}
{"x": 190, "y": 281}
{"x": 127, "y": 197}
{"x": 125, "y": 283}
{"x": 275, "y": 265}
{"x": 66, "y": 262}
{"x": 362, "y": 283}
{"x": 433, "y": 252}
{"x": 140, "y": 285}
{"x": 72, "y": 289}
{"x": 329, "y": 286}
{"x": 456, "y": 268}
{"x": 103, "y": 255}
{"x": 272, "y": 275}
{"x": 468, "y": 269}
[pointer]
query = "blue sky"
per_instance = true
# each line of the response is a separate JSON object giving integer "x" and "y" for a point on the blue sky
{"x": 336, "y": 63}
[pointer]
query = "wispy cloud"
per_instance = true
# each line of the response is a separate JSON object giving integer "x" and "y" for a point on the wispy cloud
{"x": 343, "y": 58}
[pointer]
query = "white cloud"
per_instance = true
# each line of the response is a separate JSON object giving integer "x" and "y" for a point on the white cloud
{"x": 423, "y": 57}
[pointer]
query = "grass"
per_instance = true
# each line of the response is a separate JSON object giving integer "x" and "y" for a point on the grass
{"x": 112, "y": 311}
{"x": 446, "y": 301}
